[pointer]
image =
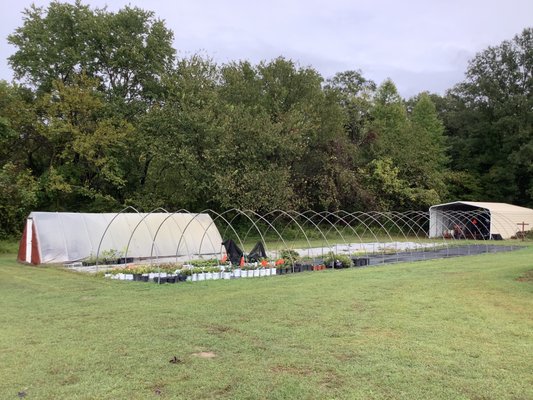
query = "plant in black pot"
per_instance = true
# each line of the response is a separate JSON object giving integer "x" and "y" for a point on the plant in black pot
{"x": 160, "y": 279}
{"x": 91, "y": 260}
{"x": 292, "y": 260}
{"x": 281, "y": 267}
{"x": 337, "y": 261}
{"x": 110, "y": 256}
{"x": 183, "y": 275}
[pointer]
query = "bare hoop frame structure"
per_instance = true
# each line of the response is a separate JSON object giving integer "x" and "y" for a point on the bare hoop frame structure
{"x": 340, "y": 229}
{"x": 107, "y": 228}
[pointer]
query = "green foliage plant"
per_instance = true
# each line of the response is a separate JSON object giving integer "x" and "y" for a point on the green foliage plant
{"x": 331, "y": 258}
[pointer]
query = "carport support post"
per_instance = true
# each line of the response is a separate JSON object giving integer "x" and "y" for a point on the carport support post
{"x": 523, "y": 225}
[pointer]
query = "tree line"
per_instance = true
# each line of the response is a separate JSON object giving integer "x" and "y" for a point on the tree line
{"x": 102, "y": 114}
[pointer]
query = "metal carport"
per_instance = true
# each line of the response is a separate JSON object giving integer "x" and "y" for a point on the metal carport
{"x": 479, "y": 220}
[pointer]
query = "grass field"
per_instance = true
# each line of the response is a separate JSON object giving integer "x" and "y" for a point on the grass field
{"x": 449, "y": 329}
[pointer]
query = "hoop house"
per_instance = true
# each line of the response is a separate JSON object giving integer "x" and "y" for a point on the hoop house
{"x": 71, "y": 237}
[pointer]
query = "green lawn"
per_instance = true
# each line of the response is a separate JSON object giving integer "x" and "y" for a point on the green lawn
{"x": 448, "y": 329}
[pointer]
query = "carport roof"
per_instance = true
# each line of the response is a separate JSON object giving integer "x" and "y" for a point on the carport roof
{"x": 498, "y": 208}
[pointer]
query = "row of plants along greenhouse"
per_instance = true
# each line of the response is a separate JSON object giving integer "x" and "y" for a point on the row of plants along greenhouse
{"x": 213, "y": 269}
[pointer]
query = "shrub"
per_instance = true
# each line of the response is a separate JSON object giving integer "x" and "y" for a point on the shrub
{"x": 8, "y": 247}
{"x": 332, "y": 257}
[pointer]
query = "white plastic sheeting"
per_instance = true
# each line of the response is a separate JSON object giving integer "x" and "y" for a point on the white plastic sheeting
{"x": 70, "y": 237}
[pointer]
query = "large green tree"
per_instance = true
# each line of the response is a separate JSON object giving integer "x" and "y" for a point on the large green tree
{"x": 355, "y": 95}
{"x": 83, "y": 146}
{"x": 407, "y": 162}
{"x": 180, "y": 136}
{"x": 18, "y": 195}
{"x": 270, "y": 119}
{"x": 490, "y": 121}
{"x": 92, "y": 75}
{"x": 128, "y": 51}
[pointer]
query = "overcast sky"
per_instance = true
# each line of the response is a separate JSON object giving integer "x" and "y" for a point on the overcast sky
{"x": 419, "y": 44}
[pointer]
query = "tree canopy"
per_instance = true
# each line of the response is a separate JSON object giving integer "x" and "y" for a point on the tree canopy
{"x": 102, "y": 114}
{"x": 490, "y": 121}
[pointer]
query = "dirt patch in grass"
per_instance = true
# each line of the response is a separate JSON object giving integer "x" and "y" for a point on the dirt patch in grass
{"x": 219, "y": 330}
{"x": 331, "y": 380}
{"x": 157, "y": 388}
{"x": 346, "y": 357}
{"x": 358, "y": 306}
{"x": 527, "y": 277}
{"x": 205, "y": 354}
{"x": 292, "y": 370}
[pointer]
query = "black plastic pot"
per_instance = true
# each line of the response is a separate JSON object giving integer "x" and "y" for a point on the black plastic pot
{"x": 360, "y": 261}
{"x": 137, "y": 277}
{"x": 171, "y": 279}
{"x": 160, "y": 280}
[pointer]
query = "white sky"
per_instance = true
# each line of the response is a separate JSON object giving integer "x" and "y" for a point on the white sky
{"x": 419, "y": 44}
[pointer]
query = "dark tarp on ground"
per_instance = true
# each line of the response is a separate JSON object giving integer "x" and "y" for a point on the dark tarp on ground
{"x": 257, "y": 253}
{"x": 234, "y": 253}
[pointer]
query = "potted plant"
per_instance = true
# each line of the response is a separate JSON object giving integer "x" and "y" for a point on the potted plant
{"x": 226, "y": 274}
{"x": 183, "y": 274}
{"x": 160, "y": 279}
{"x": 281, "y": 266}
{"x": 91, "y": 260}
{"x": 337, "y": 261}
{"x": 217, "y": 274}
{"x": 235, "y": 271}
{"x": 245, "y": 271}
{"x": 136, "y": 271}
{"x": 292, "y": 260}
{"x": 110, "y": 256}
{"x": 256, "y": 272}
{"x": 226, "y": 271}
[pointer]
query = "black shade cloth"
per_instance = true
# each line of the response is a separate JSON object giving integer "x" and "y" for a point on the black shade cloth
{"x": 233, "y": 251}
{"x": 257, "y": 253}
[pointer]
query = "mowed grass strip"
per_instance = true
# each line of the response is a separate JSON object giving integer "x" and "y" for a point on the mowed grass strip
{"x": 460, "y": 328}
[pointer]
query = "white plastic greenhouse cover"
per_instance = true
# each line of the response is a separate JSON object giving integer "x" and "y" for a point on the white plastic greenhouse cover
{"x": 69, "y": 237}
